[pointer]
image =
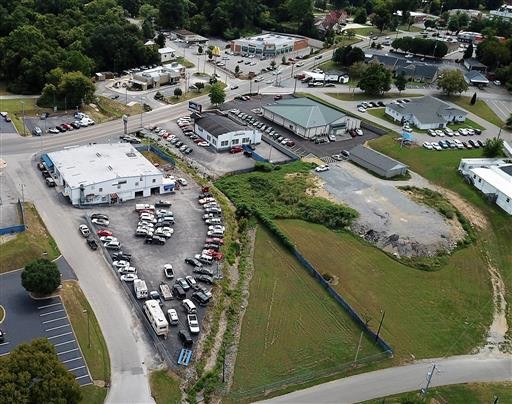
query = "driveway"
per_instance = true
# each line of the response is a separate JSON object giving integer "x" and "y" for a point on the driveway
{"x": 388, "y": 217}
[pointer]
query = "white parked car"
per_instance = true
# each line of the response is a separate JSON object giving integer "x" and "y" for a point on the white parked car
{"x": 112, "y": 245}
{"x": 323, "y": 167}
{"x": 193, "y": 323}
{"x": 105, "y": 239}
{"x": 439, "y": 133}
{"x": 463, "y": 131}
{"x": 436, "y": 146}
{"x": 120, "y": 264}
{"x": 84, "y": 230}
{"x": 129, "y": 277}
{"x": 168, "y": 271}
{"x": 127, "y": 270}
{"x": 100, "y": 222}
{"x": 182, "y": 181}
{"x": 361, "y": 109}
{"x": 203, "y": 144}
{"x": 427, "y": 145}
{"x": 173, "y": 316}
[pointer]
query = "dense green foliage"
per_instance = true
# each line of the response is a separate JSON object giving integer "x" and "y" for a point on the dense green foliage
{"x": 283, "y": 194}
{"x": 493, "y": 147}
{"x": 452, "y": 82}
{"x": 38, "y": 36}
{"x": 377, "y": 79}
{"x": 217, "y": 94}
{"x": 41, "y": 276}
{"x": 348, "y": 55}
{"x": 32, "y": 373}
{"x": 421, "y": 46}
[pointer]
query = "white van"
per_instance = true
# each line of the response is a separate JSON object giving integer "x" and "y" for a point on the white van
{"x": 189, "y": 306}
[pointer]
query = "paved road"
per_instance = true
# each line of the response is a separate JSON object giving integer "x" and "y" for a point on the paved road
{"x": 382, "y": 383}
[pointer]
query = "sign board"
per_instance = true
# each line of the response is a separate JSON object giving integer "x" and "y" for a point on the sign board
{"x": 194, "y": 106}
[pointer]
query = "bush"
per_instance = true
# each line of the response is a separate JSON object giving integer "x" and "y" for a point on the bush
{"x": 265, "y": 167}
{"x": 41, "y": 277}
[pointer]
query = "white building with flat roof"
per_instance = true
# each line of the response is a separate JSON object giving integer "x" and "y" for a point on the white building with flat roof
{"x": 505, "y": 11}
{"x": 167, "y": 54}
{"x": 269, "y": 45}
{"x": 105, "y": 173}
{"x": 493, "y": 177}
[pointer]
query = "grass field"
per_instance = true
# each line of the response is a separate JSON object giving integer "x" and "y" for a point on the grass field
{"x": 111, "y": 109}
{"x": 154, "y": 158}
{"x": 28, "y": 245}
{"x": 165, "y": 388}
{"x": 185, "y": 62}
{"x": 480, "y": 109}
{"x": 428, "y": 314}
{"x": 16, "y": 107}
{"x": 441, "y": 169}
{"x": 366, "y": 97}
{"x": 292, "y": 327}
{"x": 93, "y": 394}
{"x": 190, "y": 95}
{"x": 456, "y": 394}
{"x": 96, "y": 356}
{"x": 380, "y": 113}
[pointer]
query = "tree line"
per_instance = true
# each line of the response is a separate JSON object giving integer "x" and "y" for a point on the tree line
{"x": 421, "y": 46}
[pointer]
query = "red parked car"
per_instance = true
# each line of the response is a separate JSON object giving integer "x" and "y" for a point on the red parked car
{"x": 104, "y": 233}
{"x": 215, "y": 240}
{"x": 236, "y": 149}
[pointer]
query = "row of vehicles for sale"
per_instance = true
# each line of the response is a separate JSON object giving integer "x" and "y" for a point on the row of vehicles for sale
{"x": 453, "y": 144}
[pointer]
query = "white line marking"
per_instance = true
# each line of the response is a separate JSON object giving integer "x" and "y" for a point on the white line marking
{"x": 4, "y": 343}
{"x": 71, "y": 360}
{"x": 48, "y": 305}
{"x": 56, "y": 328}
{"x": 65, "y": 352}
{"x": 79, "y": 367}
{"x": 64, "y": 343}
{"x": 60, "y": 335}
{"x": 56, "y": 319}
{"x": 51, "y": 312}
{"x": 81, "y": 377}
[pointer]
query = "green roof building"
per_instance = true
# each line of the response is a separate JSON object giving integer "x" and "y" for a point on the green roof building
{"x": 306, "y": 118}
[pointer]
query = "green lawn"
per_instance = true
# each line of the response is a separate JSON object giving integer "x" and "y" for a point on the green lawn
{"x": 86, "y": 325}
{"x": 93, "y": 394}
{"x": 292, "y": 327}
{"x": 441, "y": 169}
{"x": 189, "y": 95}
{"x": 109, "y": 109}
{"x": 412, "y": 28}
{"x": 428, "y": 314}
{"x": 366, "y": 97}
{"x": 459, "y": 393}
{"x": 380, "y": 113}
{"x": 29, "y": 245}
{"x": 165, "y": 388}
{"x": 480, "y": 109}
{"x": 187, "y": 63}
{"x": 16, "y": 108}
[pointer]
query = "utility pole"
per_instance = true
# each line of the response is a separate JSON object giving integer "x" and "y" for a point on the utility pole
{"x": 126, "y": 96}
{"x": 380, "y": 325}
{"x": 23, "y": 193}
{"x": 23, "y": 115}
{"x": 429, "y": 379}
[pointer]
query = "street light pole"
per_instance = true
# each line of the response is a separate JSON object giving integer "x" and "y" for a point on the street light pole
{"x": 88, "y": 328}
{"x": 23, "y": 115}
{"x": 380, "y": 325}
{"x": 23, "y": 193}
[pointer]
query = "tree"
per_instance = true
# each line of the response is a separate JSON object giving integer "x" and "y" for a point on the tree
{"x": 237, "y": 70}
{"x": 377, "y": 80}
{"x": 160, "y": 40}
{"x": 147, "y": 29}
{"x": 200, "y": 50}
{"x": 76, "y": 87}
{"x": 199, "y": 85}
{"x": 453, "y": 24}
{"x": 468, "y": 53}
{"x": 381, "y": 17}
{"x": 492, "y": 53}
{"x": 360, "y": 17}
{"x": 400, "y": 82}
{"x": 32, "y": 373}
{"x": 173, "y": 13}
{"x": 273, "y": 64}
{"x": 493, "y": 147}
{"x": 348, "y": 55}
{"x": 452, "y": 81}
{"x": 283, "y": 60}
{"x": 41, "y": 277}
{"x": 473, "y": 99}
{"x": 178, "y": 92}
{"x": 509, "y": 121}
{"x": 147, "y": 11}
{"x": 217, "y": 94}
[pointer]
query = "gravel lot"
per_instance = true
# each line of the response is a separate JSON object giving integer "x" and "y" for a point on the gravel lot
{"x": 8, "y": 199}
{"x": 387, "y": 216}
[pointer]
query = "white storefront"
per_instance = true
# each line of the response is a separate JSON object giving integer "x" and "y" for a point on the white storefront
{"x": 223, "y": 133}
{"x": 106, "y": 173}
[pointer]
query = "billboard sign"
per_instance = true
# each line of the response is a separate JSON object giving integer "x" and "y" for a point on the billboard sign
{"x": 194, "y": 106}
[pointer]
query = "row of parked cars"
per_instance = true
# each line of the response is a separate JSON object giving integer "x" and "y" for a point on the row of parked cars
{"x": 453, "y": 144}
{"x": 5, "y": 116}
{"x": 450, "y": 133}
{"x": 81, "y": 120}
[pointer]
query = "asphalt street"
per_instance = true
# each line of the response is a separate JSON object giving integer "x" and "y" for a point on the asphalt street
{"x": 400, "y": 379}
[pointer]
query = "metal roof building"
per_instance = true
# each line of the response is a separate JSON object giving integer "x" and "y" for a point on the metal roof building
{"x": 376, "y": 162}
{"x": 306, "y": 117}
{"x": 106, "y": 173}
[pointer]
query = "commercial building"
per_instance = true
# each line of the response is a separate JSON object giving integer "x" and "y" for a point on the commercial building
{"x": 472, "y": 64}
{"x": 167, "y": 54}
{"x": 223, "y": 132}
{"x": 306, "y": 118}
{"x": 159, "y": 76}
{"x": 269, "y": 45}
{"x": 425, "y": 113}
{"x": 190, "y": 37}
{"x": 417, "y": 71}
{"x": 105, "y": 173}
{"x": 493, "y": 177}
{"x": 376, "y": 162}
{"x": 505, "y": 11}
{"x": 475, "y": 78}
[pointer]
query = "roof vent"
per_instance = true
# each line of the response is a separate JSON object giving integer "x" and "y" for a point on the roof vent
{"x": 110, "y": 168}
{"x": 98, "y": 154}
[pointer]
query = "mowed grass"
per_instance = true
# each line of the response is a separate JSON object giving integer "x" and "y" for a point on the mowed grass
{"x": 427, "y": 314}
{"x": 28, "y": 245}
{"x": 480, "y": 109}
{"x": 366, "y": 97}
{"x": 96, "y": 356}
{"x": 92, "y": 394}
{"x": 109, "y": 109}
{"x": 165, "y": 388}
{"x": 16, "y": 107}
{"x": 441, "y": 169}
{"x": 459, "y": 393}
{"x": 292, "y": 327}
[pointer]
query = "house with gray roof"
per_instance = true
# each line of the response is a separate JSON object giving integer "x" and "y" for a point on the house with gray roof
{"x": 425, "y": 113}
{"x": 306, "y": 117}
{"x": 475, "y": 78}
{"x": 376, "y": 162}
{"x": 417, "y": 71}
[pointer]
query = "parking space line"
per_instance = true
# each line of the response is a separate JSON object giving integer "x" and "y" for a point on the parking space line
{"x": 71, "y": 360}
{"x": 79, "y": 367}
{"x": 60, "y": 335}
{"x": 51, "y": 312}
{"x": 48, "y": 305}
{"x": 64, "y": 343}
{"x": 55, "y": 319}
{"x": 65, "y": 352}
{"x": 81, "y": 377}
{"x": 4, "y": 343}
{"x": 7, "y": 353}
{"x": 56, "y": 328}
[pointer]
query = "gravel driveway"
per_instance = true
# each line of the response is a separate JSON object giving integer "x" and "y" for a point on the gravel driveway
{"x": 388, "y": 217}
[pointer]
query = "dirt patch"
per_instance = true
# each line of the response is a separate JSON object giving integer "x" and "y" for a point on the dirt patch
{"x": 318, "y": 189}
{"x": 7, "y": 237}
{"x": 473, "y": 214}
{"x": 212, "y": 359}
